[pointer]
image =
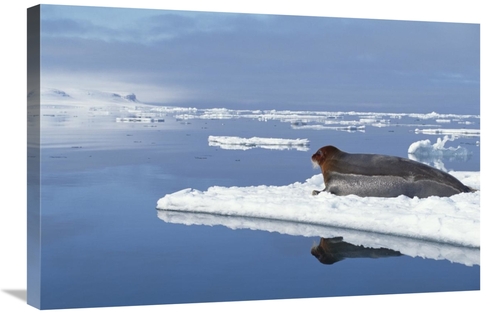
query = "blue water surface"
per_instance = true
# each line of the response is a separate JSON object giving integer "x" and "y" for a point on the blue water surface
{"x": 104, "y": 245}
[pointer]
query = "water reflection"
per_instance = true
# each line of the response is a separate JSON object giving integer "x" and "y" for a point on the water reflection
{"x": 333, "y": 250}
{"x": 437, "y": 160}
{"x": 412, "y": 247}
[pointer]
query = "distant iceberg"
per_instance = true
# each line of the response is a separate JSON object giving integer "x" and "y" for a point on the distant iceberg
{"x": 434, "y": 154}
{"x": 424, "y": 148}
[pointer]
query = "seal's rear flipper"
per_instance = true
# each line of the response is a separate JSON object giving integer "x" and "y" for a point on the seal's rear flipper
{"x": 472, "y": 189}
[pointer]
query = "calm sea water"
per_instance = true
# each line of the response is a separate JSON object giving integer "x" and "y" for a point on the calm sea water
{"x": 104, "y": 245}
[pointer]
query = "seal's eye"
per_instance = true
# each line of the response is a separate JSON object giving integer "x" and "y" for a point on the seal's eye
{"x": 318, "y": 152}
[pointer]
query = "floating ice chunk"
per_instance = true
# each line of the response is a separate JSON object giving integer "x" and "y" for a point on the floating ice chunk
{"x": 434, "y": 154}
{"x": 239, "y": 143}
{"x": 348, "y": 128}
{"x": 464, "y": 132}
{"x": 139, "y": 120}
{"x": 425, "y": 148}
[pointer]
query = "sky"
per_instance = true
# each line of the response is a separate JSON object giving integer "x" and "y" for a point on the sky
{"x": 208, "y": 59}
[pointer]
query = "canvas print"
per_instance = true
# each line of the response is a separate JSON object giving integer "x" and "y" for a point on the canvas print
{"x": 185, "y": 157}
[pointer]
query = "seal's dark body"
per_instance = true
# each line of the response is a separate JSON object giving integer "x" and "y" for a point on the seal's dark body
{"x": 382, "y": 176}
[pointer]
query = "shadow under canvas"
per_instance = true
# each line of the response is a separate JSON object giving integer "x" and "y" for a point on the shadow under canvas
{"x": 18, "y": 293}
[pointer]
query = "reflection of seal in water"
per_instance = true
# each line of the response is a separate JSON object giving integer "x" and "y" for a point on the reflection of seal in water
{"x": 382, "y": 176}
{"x": 333, "y": 250}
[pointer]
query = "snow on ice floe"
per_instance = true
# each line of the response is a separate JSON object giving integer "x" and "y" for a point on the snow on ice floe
{"x": 447, "y": 220}
{"x": 239, "y": 143}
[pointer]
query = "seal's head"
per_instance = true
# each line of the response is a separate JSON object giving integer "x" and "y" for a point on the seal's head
{"x": 327, "y": 252}
{"x": 323, "y": 156}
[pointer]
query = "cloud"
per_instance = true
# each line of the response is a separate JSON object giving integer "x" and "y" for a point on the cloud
{"x": 269, "y": 60}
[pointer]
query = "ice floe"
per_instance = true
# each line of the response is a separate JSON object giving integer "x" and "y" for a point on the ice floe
{"x": 449, "y": 220}
{"x": 239, "y": 143}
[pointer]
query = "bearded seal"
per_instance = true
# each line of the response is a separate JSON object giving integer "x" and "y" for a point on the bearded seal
{"x": 382, "y": 176}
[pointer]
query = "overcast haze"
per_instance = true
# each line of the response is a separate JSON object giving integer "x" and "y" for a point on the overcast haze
{"x": 263, "y": 61}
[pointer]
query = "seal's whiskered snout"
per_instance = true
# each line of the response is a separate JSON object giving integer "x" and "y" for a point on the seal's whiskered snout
{"x": 314, "y": 164}
{"x": 315, "y": 159}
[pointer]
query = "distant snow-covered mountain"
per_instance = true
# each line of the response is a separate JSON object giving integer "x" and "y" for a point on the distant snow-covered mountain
{"x": 54, "y": 96}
